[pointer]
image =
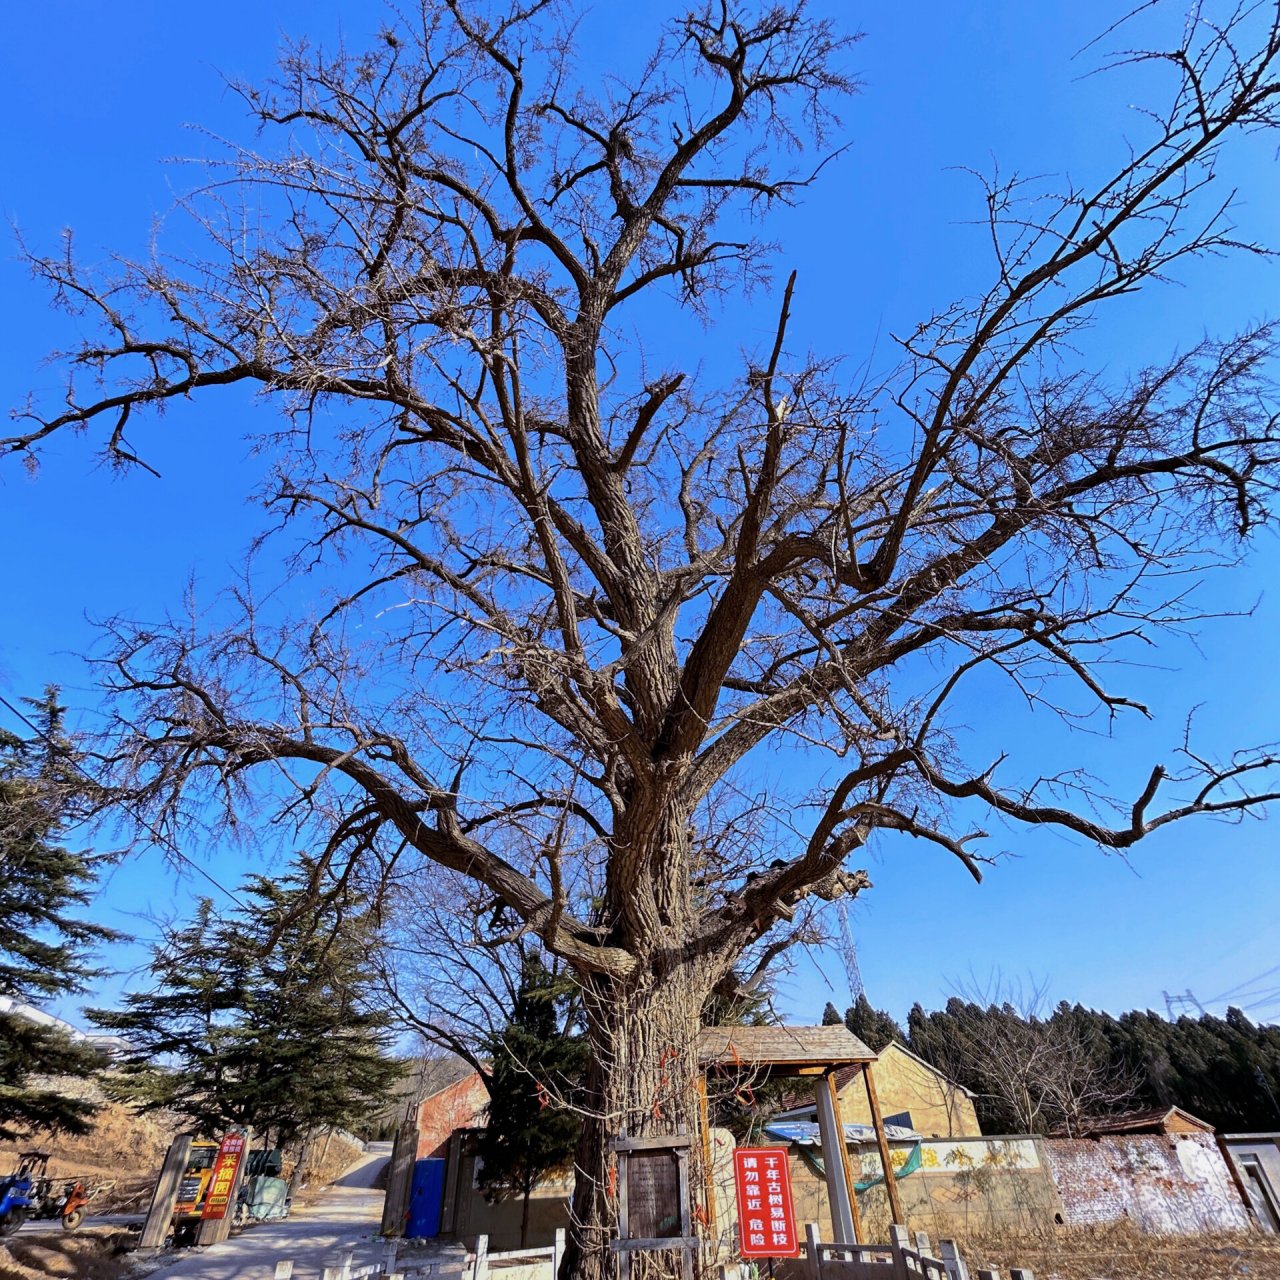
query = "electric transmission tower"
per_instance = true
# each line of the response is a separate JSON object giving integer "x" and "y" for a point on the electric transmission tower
{"x": 1183, "y": 1003}
{"x": 849, "y": 953}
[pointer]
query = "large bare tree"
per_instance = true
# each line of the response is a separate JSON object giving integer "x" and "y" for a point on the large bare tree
{"x": 582, "y": 579}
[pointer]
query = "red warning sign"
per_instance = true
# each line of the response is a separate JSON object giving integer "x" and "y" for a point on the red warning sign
{"x": 766, "y": 1214}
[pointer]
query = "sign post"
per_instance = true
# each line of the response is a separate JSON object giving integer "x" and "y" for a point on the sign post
{"x": 230, "y": 1153}
{"x": 224, "y": 1186}
{"x": 653, "y": 1200}
{"x": 766, "y": 1212}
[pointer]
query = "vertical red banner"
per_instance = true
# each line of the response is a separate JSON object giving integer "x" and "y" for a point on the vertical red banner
{"x": 224, "y": 1176}
{"x": 766, "y": 1214}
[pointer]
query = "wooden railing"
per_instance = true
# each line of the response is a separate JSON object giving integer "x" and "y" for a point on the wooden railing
{"x": 900, "y": 1259}
{"x": 903, "y": 1258}
{"x": 482, "y": 1265}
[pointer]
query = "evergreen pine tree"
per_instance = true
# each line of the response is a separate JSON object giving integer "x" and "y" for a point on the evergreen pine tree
{"x": 873, "y": 1027}
{"x": 261, "y": 1017}
{"x": 538, "y": 1063}
{"x": 44, "y": 945}
{"x": 831, "y": 1016}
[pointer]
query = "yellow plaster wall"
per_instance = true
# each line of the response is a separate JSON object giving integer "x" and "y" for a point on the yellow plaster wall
{"x": 939, "y": 1109}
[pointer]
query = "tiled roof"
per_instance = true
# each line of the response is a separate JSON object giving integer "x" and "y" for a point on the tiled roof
{"x": 782, "y": 1047}
{"x": 1153, "y": 1120}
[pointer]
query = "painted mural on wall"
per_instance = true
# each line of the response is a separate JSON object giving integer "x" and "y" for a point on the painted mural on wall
{"x": 956, "y": 1156}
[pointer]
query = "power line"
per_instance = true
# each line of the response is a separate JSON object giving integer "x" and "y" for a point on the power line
{"x": 158, "y": 836}
{"x": 1248, "y": 982}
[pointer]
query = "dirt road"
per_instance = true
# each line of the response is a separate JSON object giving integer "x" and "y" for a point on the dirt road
{"x": 349, "y": 1211}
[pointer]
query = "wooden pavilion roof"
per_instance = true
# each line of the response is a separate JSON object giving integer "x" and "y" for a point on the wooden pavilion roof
{"x": 799, "y": 1051}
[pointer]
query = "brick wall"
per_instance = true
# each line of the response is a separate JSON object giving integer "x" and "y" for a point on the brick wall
{"x": 1160, "y": 1184}
{"x": 460, "y": 1106}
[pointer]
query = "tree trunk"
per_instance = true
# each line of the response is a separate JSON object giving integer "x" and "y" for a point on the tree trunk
{"x": 641, "y": 1082}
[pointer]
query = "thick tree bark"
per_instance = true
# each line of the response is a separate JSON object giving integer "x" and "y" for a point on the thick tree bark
{"x": 641, "y": 1082}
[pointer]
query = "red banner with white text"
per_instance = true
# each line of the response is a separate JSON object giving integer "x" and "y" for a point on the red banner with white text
{"x": 766, "y": 1214}
{"x": 224, "y": 1176}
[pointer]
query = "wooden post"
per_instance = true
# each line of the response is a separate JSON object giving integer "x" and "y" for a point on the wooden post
{"x": 686, "y": 1208}
{"x": 284, "y": 1270}
{"x": 850, "y": 1181}
{"x": 452, "y": 1173}
{"x": 557, "y": 1253}
{"x": 481, "y": 1269}
{"x": 886, "y": 1160}
{"x": 165, "y": 1196}
{"x": 395, "y": 1208}
{"x": 389, "y": 1256}
{"x": 815, "y": 1253}
{"x": 704, "y": 1126}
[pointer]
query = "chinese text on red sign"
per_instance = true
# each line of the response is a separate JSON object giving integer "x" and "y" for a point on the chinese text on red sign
{"x": 224, "y": 1176}
{"x": 766, "y": 1215}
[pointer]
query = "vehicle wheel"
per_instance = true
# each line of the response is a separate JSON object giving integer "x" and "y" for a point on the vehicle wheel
{"x": 11, "y": 1221}
{"x": 70, "y": 1221}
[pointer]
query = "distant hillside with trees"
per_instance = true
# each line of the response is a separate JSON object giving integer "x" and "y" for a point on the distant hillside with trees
{"x": 1056, "y": 1072}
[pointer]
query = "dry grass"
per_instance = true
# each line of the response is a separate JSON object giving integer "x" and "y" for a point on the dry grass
{"x": 121, "y": 1144}
{"x": 121, "y": 1154}
{"x": 1120, "y": 1253}
{"x": 90, "y": 1254}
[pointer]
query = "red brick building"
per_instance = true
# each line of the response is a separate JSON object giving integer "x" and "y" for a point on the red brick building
{"x": 460, "y": 1105}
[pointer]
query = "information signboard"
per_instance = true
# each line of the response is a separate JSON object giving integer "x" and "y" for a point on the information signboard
{"x": 653, "y": 1194}
{"x": 766, "y": 1214}
{"x": 230, "y": 1153}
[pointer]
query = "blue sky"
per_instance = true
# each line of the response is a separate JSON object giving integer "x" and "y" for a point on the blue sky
{"x": 97, "y": 96}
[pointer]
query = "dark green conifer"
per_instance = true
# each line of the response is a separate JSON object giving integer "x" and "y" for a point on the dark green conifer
{"x": 44, "y": 944}
{"x": 538, "y": 1064}
{"x": 873, "y": 1027}
{"x": 262, "y": 1017}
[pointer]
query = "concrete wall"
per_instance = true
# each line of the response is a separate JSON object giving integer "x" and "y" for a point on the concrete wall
{"x": 1160, "y": 1184}
{"x": 939, "y": 1108}
{"x": 548, "y": 1210}
{"x": 549, "y": 1203}
{"x": 1256, "y": 1157}
{"x": 962, "y": 1185}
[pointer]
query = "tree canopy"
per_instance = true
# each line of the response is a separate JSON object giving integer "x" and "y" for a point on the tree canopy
{"x": 45, "y": 943}
{"x": 567, "y": 581}
{"x": 1033, "y": 1071}
{"x": 261, "y": 1017}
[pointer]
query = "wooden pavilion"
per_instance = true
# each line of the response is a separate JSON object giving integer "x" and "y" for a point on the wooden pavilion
{"x": 770, "y": 1053}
